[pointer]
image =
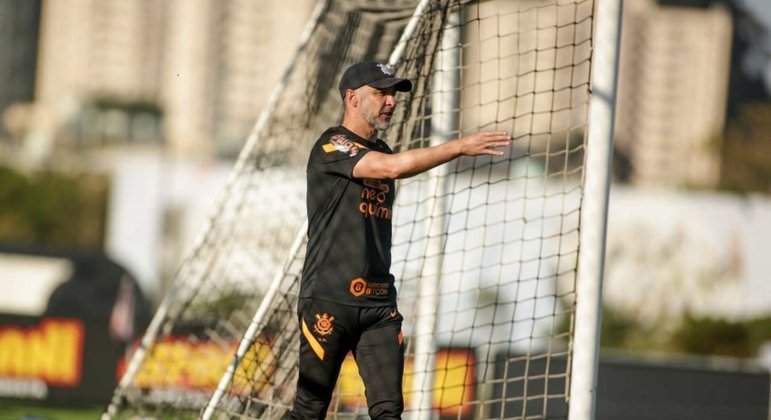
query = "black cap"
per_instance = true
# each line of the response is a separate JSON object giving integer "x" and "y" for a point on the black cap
{"x": 372, "y": 73}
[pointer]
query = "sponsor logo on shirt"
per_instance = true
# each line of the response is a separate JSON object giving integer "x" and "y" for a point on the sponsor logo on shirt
{"x": 340, "y": 143}
{"x": 360, "y": 287}
{"x": 374, "y": 199}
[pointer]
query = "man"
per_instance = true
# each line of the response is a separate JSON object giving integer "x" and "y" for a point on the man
{"x": 347, "y": 295}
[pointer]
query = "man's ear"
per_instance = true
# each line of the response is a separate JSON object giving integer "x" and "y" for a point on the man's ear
{"x": 351, "y": 96}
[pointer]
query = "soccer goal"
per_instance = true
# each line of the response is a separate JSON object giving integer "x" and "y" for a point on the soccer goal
{"x": 497, "y": 259}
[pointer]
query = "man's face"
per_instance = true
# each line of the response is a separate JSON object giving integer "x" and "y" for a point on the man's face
{"x": 377, "y": 105}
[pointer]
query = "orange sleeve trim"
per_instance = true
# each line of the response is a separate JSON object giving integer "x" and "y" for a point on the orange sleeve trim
{"x": 329, "y": 147}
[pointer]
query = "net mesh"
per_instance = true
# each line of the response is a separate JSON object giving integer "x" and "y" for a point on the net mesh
{"x": 484, "y": 249}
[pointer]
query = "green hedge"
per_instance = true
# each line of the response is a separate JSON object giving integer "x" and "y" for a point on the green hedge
{"x": 52, "y": 209}
{"x": 721, "y": 337}
{"x": 691, "y": 335}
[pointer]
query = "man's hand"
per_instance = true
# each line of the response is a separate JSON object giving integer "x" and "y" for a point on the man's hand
{"x": 484, "y": 143}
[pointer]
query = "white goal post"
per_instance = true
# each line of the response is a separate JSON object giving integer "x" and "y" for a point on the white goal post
{"x": 594, "y": 213}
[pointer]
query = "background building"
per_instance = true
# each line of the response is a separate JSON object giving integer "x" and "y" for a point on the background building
{"x": 673, "y": 82}
{"x": 191, "y": 76}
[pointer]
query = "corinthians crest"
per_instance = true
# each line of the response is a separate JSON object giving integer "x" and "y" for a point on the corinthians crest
{"x": 323, "y": 325}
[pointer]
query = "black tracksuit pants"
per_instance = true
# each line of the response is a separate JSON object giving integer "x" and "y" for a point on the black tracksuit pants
{"x": 328, "y": 332}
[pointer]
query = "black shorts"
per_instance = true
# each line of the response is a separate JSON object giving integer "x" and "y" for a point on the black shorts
{"x": 328, "y": 332}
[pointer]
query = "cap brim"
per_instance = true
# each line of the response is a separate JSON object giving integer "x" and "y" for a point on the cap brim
{"x": 401, "y": 85}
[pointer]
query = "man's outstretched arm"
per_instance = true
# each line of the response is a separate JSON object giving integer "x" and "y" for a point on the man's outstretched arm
{"x": 376, "y": 165}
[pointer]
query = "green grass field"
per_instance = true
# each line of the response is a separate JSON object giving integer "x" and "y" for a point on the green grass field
{"x": 17, "y": 411}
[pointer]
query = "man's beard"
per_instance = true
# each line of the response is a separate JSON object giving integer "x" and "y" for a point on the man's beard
{"x": 377, "y": 123}
{"x": 382, "y": 125}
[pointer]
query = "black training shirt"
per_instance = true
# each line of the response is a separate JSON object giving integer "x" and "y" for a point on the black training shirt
{"x": 349, "y": 225}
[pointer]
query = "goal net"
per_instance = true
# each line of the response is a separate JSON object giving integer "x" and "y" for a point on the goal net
{"x": 485, "y": 249}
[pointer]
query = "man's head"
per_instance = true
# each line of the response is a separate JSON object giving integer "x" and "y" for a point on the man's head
{"x": 374, "y": 74}
{"x": 368, "y": 90}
